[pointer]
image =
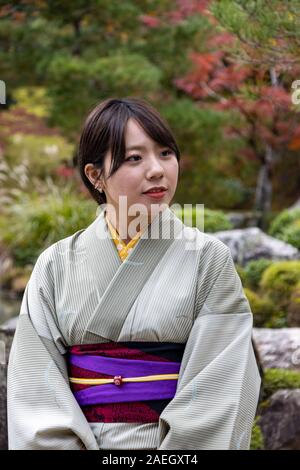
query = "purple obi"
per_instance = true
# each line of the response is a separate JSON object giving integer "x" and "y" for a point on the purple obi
{"x": 124, "y": 382}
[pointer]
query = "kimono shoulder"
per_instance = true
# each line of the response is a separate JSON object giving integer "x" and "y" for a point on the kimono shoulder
{"x": 42, "y": 412}
{"x": 218, "y": 285}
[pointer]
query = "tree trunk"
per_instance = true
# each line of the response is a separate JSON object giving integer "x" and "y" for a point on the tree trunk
{"x": 76, "y": 50}
{"x": 263, "y": 194}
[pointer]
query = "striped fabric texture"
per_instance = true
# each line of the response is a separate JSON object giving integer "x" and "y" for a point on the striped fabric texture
{"x": 168, "y": 289}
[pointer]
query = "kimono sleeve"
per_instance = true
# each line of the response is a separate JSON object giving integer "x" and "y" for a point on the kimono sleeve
{"x": 219, "y": 382}
{"x": 42, "y": 413}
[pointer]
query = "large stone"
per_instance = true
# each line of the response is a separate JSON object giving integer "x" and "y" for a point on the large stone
{"x": 280, "y": 421}
{"x": 296, "y": 205}
{"x": 7, "y": 332}
{"x": 278, "y": 347}
{"x": 252, "y": 243}
{"x": 243, "y": 219}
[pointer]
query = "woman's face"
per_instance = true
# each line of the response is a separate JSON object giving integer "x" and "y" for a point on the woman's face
{"x": 144, "y": 167}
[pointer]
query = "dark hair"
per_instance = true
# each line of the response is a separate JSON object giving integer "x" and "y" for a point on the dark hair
{"x": 104, "y": 129}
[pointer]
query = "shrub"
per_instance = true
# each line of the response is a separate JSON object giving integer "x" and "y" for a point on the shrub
{"x": 263, "y": 308}
{"x": 37, "y": 221}
{"x": 33, "y": 99}
{"x": 292, "y": 234}
{"x": 286, "y": 217}
{"x": 276, "y": 379}
{"x": 213, "y": 220}
{"x": 230, "y": 193}
{"x": 294, "y": 307}
{"x": 253, "y": 272}
{"x": 286, "y": 227}
{"x": 241, "y": 272}
{"x": 279, "y": 279}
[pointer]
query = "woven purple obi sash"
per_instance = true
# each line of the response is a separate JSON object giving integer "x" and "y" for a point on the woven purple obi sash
{"x": 124, "y": 382}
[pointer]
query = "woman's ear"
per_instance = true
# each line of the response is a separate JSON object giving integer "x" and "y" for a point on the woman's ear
{"x": 92, "y": 173}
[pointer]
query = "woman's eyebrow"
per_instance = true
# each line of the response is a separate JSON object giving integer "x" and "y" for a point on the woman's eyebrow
{"x": 139, "y": 147}
{"x": 136, "y": 147}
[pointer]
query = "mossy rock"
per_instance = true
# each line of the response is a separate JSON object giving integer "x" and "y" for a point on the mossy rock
{"x": 286, "y": 227}
{"x": 262, "y": 308}
{"x": 276, "y": 379}
{"x": 279, "y": 280}
{"x": 283, "y": 220}
{"x": 254, "y": 270}
{"x": 292, "y": 234}
{"x": 294, "y": 307}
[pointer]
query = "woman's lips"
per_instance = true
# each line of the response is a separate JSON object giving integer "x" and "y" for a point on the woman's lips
{"x": 156, "y": 195}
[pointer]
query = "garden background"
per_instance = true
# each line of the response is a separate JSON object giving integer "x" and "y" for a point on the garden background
{"x": 223, "y": 74}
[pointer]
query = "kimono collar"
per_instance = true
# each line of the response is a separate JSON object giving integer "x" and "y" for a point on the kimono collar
{"x": 123, "y": 249}
{"x": 110, "y": 274}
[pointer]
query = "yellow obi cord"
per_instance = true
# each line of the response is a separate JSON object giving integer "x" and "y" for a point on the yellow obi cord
{"x": 148, "y": 378}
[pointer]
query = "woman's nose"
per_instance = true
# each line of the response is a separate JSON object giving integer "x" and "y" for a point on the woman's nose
{"x": 155, "y": 169}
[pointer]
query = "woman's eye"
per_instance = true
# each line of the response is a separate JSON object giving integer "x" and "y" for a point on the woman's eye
{"x": 132, "y": 156}
{"x": 168, "y": 150}
{"x": 138, "y": 156}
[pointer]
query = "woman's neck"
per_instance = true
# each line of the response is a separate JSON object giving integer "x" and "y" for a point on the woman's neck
{"x": 123, "y": 230}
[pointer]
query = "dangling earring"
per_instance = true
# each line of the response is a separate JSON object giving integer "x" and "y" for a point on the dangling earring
{"x": 100, "y": 190}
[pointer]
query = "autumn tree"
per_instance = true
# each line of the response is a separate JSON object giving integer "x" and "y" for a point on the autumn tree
{"x": 246, "y": 69}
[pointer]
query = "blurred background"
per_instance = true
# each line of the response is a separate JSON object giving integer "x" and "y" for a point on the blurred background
{"x": 224, "y": 75}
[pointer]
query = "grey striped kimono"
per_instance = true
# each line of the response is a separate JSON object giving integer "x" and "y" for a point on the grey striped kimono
{"x": 170, "y": 288}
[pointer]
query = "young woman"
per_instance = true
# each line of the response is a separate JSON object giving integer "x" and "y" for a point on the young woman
{"x": 131, "y": 334}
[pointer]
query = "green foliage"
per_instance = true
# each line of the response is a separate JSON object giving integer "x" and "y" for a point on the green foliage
{"x": 294, "y": 307}
{"x": 276, "y": 379}
{"x": 257, "y": 26}
{"x": 292, "y": 234}
{"x": 213, "y": 220}
{"x": 36, "y": 222}
{"x": 253, "y": 272}
{"x": 241, "y": 272}
{"x": 230, "y": 193}
{"x": 77, "y": 84}
{"x": 33, "y": 99}
{"x": 257, "y": 438}
{"x": 194, "y": 126}
{"x": 286, "y": 227}
{"x": 279, "y": 279}
{"x": 262, "y": 308}
{"x": 198, "y": 130}
{"x": 25, "y": 45}
{"x": 273, "y": 292}
{"x": 165, "y": 47}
